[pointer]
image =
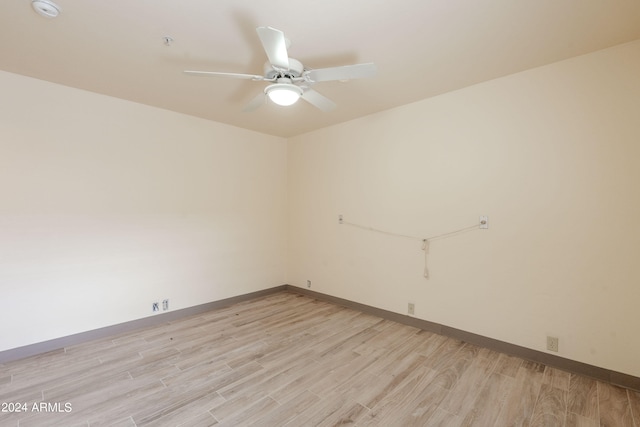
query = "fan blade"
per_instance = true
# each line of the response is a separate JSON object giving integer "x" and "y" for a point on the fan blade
{"x": 346, "y": 72}
{"x": 232, "y": 75}
{"x": 255, "y": 103}
{"x": 317, "y": 100}
{"x": 275, "y": 45}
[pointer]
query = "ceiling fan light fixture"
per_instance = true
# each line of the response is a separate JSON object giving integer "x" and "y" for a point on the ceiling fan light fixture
{"x": 46, "y": 8}
{"x": 283, "y": 94}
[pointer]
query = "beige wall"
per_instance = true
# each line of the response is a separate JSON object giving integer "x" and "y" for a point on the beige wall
{"x": 551, "y": 155}
{"x": 107, "y": 206}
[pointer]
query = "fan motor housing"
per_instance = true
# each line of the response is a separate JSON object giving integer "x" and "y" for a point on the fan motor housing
{"x": 295, "y": 70}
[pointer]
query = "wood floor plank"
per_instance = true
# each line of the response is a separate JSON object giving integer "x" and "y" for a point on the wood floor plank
{"x": 205, "y": 419}
{"x": 287, "y": 359}
{"x": 357, "y": 384}
{"x": 634, "y": 400}
{"x": 551, "y": 407}
{"x": 419, "y": 407}
{"x": 225, "y": 378}
{"x": 174, "y": 414}
{"x": 67, "y": 390}
{"x": 533, "y": 366}
{"x": 156, "y": 364}
{"x": 327, "y": 410}
{"x": 521, "y": 401}
{"x": 615, "y": 408}
{"x": 395, "y": 379}
{"x": 28, "y": 395}
{"x": 489, "y": 402}
{"x": 508, "y": 365}
{"x": 313, "y": 373}
{"x": 198, "y": 376}
{"x": 442, "y": 418}
{"x": 399, "y": 400}
{"x": 349, "y": 414}
{"x": 583, "y": 397}
{"x": 450, "y": 372}
{"x": 264, "y": 380}
{"x": 225, "y": 409}
{"x": 429, "y": 342}
{"x": 125, "y": 422}
{"x": 285, "y": 412}
{"x": 160, "y": 410}
{"x": 213, "y": 353}
{"x": 102, "y": 410}
{"x": 51, "y": 420}
{"x": 556, "y": 378}
{"x": 442, "y": 355}
{"x": 5, "y": 379}
{"x": 465, "y": 392}
{"x": 575, "y": 420}
{"x": 32, "y": 363}
{"x": 41, "y": 376}
{"x": 351, "y": 380}
{"x": 424, "y": 405}
{"x": 249, "y": 414}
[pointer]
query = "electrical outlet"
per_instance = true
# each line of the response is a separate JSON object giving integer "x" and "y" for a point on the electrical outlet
{"x": 155, "y": 306}
{"x": 411, "y": 308}
{"x": 484, "y": 222}
{"x": 165, "y": 305}
{"x": 308, "y": 283}
{"x": 552, "y": 344}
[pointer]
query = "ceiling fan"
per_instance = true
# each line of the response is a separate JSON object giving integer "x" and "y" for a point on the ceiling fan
{"x": 289, "y": 79}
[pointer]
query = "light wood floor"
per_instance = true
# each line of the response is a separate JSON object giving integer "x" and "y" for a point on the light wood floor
{"x": 289, "y": 360}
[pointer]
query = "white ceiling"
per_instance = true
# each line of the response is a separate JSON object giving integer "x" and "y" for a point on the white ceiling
{"x": 422, "y": 48}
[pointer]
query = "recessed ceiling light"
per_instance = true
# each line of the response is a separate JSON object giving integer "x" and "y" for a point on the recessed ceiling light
{"x": 46, "y": 8}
